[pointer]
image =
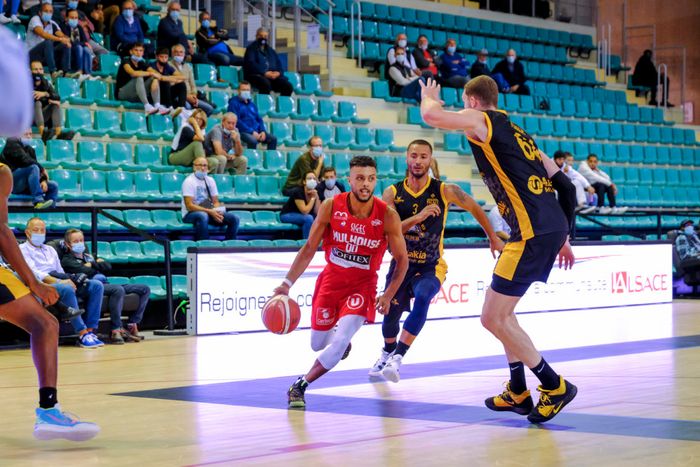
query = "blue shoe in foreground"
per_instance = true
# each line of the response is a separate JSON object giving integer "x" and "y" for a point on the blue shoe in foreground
{"x": 55, "y": 424}
{"x": 552, "y": 401}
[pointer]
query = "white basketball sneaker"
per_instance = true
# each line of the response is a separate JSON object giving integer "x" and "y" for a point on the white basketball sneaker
{"x": 376, "y": 370}
{"x": 54, "y": 423}
{"x": 391, "y": 369}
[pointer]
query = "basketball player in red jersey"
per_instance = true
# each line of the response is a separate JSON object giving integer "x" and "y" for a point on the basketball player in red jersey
{"x": 355, "y": 228}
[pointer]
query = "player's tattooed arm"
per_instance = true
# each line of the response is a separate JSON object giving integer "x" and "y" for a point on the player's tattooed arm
{"x": 397, "y": 246}
{"x": 454, "y": 194}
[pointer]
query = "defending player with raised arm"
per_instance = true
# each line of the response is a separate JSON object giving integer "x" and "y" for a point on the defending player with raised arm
{"x": 355, "y": 228}
{"x": 422, "y": 203}
{"x": 522, "y": 181}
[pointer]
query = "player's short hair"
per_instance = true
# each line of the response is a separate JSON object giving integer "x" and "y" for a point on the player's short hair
{"x": 483, "y": 88}
{"x": 559, "y": 155}
{"x": 163, "y": 51}
{"x": 202, "y": 13}
{"x": 328, "y": 169}
{"x": 69, "y": 232}
{"x": 591, "y": 156}
{"x": 421, "y": 142}
{"x": 136, "y": 44}
{"x": 362, "y": 161}
{"x": 243, "y": 83}
{"x": 32, "y": 219}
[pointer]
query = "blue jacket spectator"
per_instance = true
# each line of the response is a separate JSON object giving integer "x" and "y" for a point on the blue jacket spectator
{"x": 170, "y": 30}
{"x": 512, "y": 72}
{"x": 262, "y": 67}
{"x": 453, "y": 67}
{"x": 250, "y": 125}
{"x": 126, "y": 30}
{"x": 212, "y": 42}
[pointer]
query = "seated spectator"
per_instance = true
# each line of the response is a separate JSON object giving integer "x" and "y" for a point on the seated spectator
{"x": 47, "y": 107}
{"x": 602, "y": 184}
{"x": 303, "y": 203}
{"x": 85, "y": 22}
{"x": 44, "y": 263}
{"x": 391, "y": 55}
{"x": 224, "y": 142}
{"x": 687, "y": 244}
{"x": 46, "y": 43}
{"x": 310, "y": 161}
{"x": 173, "y": 90}
{"x": 453, "y": 67}
{"x": 193, "y": 99}
{"x": 584, "y": 204}
{"x": 76, "y": 260}
{"x": 424, "y": 57}
{"x": 135, "y": 79}
{"x": 171, "y": 31}
{"x": 127, "y": 31}
{"x": 402, "y": 81}
{"x": 481, "y": 65}
{"x": 188, "y": 143}
{"x": 500, "y": 226}
{"x": 9, "y": 14}
{"x": 81, "y": 55}
{"x": 250, "y": 123}
{"x": 509, "y": 73}
{"x": 262, "y": 67}
{"x": 212, "y": 42}
{"x": 201, "y": 206}
{"x": 646, "y": 74}
{"x": 28, "y": 176}
{"x": 329, "y": 186}
{"x": 106, "y": 16}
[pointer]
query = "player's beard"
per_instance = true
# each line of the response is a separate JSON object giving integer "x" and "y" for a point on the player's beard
{"x": 357, "y": 197}
{"x": 417, "y": 173}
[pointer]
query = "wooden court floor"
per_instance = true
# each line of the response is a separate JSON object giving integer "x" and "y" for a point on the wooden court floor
{"x": 220, "y": 400}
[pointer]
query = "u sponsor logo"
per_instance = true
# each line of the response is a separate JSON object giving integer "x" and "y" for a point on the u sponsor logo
{"x": 355, "y": 301}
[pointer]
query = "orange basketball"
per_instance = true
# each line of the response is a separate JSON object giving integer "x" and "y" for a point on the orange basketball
{"x": 281, "y": 314}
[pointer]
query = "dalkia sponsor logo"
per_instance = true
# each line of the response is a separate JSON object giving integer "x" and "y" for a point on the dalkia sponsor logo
{"x": 627, "y": 282}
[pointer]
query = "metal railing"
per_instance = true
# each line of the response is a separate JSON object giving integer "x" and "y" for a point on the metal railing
{"x": 298, "y": 9}
{"x": 684, "y": 69}
{"x": 356, "y": 5}
{"x": 604, "y": 47}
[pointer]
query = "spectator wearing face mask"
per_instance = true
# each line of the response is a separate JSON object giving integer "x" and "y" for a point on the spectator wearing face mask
{"x": 46, "y": 43}
{"x": 584, "y": 190}
{"x": 188, "y": 143}
{"x": 171, "y": 31}
{"x": 329, "y": 186}
{"x": 512, "y": 75}
{"x": 136, "y": 80}
{"x": 262, "y": 67}
{"x": 303, "y": 203}
{"x": 687, "y": 243}
{"x": 310, "y": 161}
{"x": 224, "y": 142}
{"x": 212, "y": 42}
{"x": 127, "y": 31}
{"x": 250, "y": 123}
{"x": 173, "y": 90}
{"x": 193, "y": 98}
{"x": 48, "y": 117}
{"x": 402, "y": 81}
{"x": 481, "y": 65}
{"x": 81, "y": 50}
{"x": 424, "y": 57}
{"x": 402, "y": 42}
{"x": 453, "y": 67}
{"x": 201, "y": 206}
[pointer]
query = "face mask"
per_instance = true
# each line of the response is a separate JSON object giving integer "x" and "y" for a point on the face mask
{"x": 451, "y": 49}
{"x": 179, "y": 59}
{"x": 175, "y": 15}
{"x": 72, "y": 5}
{"x": 205, "y": 24}
{"x": 245, "y": 95}
{"x": 400, "y": 58}
{"x": 402, "y": 43}
{"x": 423, "y": 47}
{"x": 330, "y": 183}
{"x": 311, "y": 184}
{"x": 128, "y": 14}
{"x": 316, "y": 151}
{"x": 226, "y": 131}
{"x": 78, "y": 248}
{"x": 510, "y": 59}
{"x": 37, "y": 239}
{"x": 25, "y": 141}
{"x": 136, "y": 58}
{"x": 689, "y": 230}
{"x": 484, "y": 61}
{"x": 262, "y": 41}
{"x": 46, "y": 17}
{"x": 73, "y": 23}
{"x": 200, "y": 174}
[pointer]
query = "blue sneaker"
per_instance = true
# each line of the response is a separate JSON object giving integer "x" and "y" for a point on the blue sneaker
{"x": 54, "y": 424}
{"x": 90, "y": 341}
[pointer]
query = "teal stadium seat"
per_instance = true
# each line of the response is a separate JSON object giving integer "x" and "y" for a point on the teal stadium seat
{"x": 161, "y": 126}
{"x": 268, "y": 189}
{"x": 284, "y": 108}
{"x": 178, "y": 249}
{"x": 61, "y": 153}
{"x": 120, "y": 186}
{"x": 92, "y": 154}
{"x": 147, "y": 156}
{"x": 97, "y": 91}
{"x": 146, "y": 184}
{"x": 119, "y": 155}
{"x": 80, "y": 121}
{"x": 154, "y": 283}
{"x": 305, "y": 109}
{"x": 171, "y": 186}
{"x": 135, "y": 124}
{"x": 107, "y": 123}
{"x": 347, "y": 112}
{"x": 325, "y": 112}
{"x": 141, "y": 219}
{"x": 245, "y": 189}
{"x": 230, "y": 75}
{"x": 68, "y": 182}
{"x": 69, "y": 90}
{"x": 168, "y": 219}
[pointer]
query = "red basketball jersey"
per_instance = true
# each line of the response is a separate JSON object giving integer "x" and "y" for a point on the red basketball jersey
{"x": 355, "y": 247}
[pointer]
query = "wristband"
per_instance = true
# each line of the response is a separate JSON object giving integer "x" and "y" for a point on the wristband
{"x": 288, "y": 283}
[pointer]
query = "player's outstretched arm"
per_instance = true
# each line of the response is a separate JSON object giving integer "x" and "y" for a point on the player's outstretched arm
{"x": 307, "y": 252}
{"x": 456, "y": 195}
{"x": 10, "y": 250}
{"x": 397, "y": 246}
{"x": 435, "y": 115}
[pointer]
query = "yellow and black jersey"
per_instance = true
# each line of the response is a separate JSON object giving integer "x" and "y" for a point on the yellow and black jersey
{"x": 423, "y": 240}
{"x": 512, "y": 169}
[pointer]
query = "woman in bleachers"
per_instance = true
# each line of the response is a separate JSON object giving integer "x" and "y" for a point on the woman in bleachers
{"x": 302, "y": 206}
{"x": 212, "y": 42}
{"x": 188, "y": 143}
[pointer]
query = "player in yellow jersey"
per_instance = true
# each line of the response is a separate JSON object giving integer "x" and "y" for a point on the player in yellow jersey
{"x": 522, "y": 180}
{"x": 422, "y": 203}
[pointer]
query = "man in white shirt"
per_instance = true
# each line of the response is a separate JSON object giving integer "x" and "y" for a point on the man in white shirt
{"x": 201, "y": 206}
{"x": 602, "y": 183}
{"x": 401, "y": 41}
{"x": 44, "y": 262}
{"x": 499, "y": 224}
{"x": 578, "y": 180}
{"x": 46, "y": 42}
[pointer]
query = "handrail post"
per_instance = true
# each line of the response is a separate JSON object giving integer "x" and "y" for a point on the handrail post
{"x": 168, "y": 286}
{"x": 329, "y": 47}
{"x": 93, "y": 229}
{"x": 273, "y": 26}
{"x": 662, "y": 66}
{"x": 359, "y": 31}
{"x": 297, "y": 35}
